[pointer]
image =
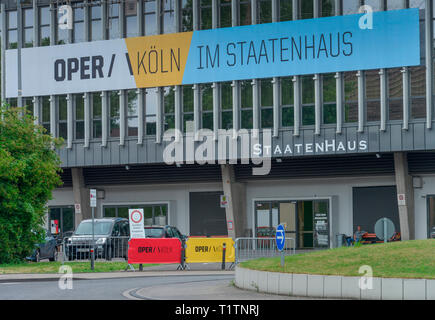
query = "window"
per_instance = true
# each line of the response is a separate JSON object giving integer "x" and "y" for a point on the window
{"x": 245, "y": 12}
{"x": 63, "y": 116}
{"x": 329, "y": 99}
{"x": 417, "y": 4}
{"x": 62, "y": 35}
{"x": 207, "y": 105}
{"x": 79, "y": 106}
{"x": 45, "y": 117}
{"x": 96, "y": 24}
{"x": 285, "y": 10}
{"x": 113, "y": 15}
{"x": 227, "y": 105}
{"x": 375, "y": 4}
{"x": 150, "y": 17}
{"x": 154, "y": 214}
{"x": 328, "y": 8}
{"x": 350, "y": 97}
{"x": 287, "y": 102}
{"x": 169, "y": 16}
{"x": 395, "y": 94}
{"x": 114, "y": 113}
{"x": 28, "y": 105}
{"x": 96, "y": 115}
{"x": 187, "y": 106}
{"x": 307, "y": 11}
{"x": 28, "y": 27}
{"x": 266, "y": 103}
{"x": 131, "y": 22}
{"x": 225, "y": 14}
{"x": 187, "y": 16}
{"x": 308, "y": 111}
{"x": 206, "y": 14}
{"x": 12, "y": 29}
{"x": 65, "y": 217}
{"x": 373, "y": 94}
{"x": 418, "y": 92}
{"x": 132, "y": 112}
{"x": 151, "y": 110}
{"x": 246, "y": 104}
{"x": 265, "y": 11}
{"x": 351, "y": 6}
{"x": 79, "y": 25}
{"x": 169, "y": 108}
{"x": 394, "y": 5}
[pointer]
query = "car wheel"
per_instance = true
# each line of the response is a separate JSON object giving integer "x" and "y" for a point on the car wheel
{"x": 55, "y": 255}
{"x": 37, "y": 256}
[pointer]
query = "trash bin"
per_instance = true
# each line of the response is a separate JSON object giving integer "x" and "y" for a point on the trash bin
{"x": 340, "y": 240}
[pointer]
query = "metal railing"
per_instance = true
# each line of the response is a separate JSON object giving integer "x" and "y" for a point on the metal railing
{"x": 253, "y": 248}
{"x": 105, "y": 248}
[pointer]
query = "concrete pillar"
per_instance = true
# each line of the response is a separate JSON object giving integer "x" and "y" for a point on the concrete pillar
{"x": 404, "y": 186}
{"x": 236, "y": 198}
{"x": 81, "y": 195}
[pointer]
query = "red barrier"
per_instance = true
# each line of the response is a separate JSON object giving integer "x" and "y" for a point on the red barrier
{"x": 154, "y": 250}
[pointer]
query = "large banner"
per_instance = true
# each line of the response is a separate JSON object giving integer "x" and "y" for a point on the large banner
{"x": 323, "y": 45}
{"x": 209, "y": 250}
{"x": 154, "y": 250}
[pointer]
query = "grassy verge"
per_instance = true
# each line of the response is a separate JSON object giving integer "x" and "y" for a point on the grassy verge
{"x": 407, "y": 259}
{"x": 53, "y": 267}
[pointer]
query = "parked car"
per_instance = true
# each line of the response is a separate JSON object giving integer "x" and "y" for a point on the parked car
{"x": 164, "y": 232}
{"x": 111, "y": 237}
{"x": 45, "y": 250}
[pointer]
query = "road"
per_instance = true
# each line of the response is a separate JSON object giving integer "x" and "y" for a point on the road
{"x": 185, "y": 287}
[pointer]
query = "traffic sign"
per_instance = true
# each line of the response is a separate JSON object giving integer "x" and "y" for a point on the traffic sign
{"x": 280, "y": 237}
{"x": 136, "y": 223}
{"x": 93, "y": 195}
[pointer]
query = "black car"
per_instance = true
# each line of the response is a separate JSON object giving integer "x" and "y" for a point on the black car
{"x": 45, "y": 250}
{"x": 111, "y": 237}
{"x": 164, "y": 232}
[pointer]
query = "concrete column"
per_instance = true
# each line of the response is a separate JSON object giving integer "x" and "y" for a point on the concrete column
{"x": 81, "y": 195}
{"x": 236, "y": 197}
{"x": 404, "y": 186}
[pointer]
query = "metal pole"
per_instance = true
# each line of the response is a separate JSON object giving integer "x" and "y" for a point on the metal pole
{"x": 93, "y": 243}
{"x": 223, "y": 255}
{"x": 282, "y": 258}
{"x": 385, "y": 230}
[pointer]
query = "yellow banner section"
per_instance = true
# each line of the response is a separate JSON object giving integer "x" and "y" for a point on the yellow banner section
{"x": 209, "y": 250}
{"x": 158, "y": 61}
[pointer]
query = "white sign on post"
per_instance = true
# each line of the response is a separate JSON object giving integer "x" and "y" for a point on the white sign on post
{"x": 93, "y": 198}
{"x": 135, "y": 217}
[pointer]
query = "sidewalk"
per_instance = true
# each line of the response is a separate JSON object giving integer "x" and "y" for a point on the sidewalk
{"x": 156, "y": 271}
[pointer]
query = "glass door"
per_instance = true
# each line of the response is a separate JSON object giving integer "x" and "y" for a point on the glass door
{"x": 287, "y": 217}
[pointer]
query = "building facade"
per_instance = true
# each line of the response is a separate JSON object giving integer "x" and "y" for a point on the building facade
{"x": 347, "y": 148}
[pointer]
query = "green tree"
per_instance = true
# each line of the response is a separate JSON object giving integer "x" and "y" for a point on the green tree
{"x": 29, "y": 168}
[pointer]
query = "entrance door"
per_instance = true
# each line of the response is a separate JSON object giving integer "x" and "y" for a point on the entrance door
{"x": 207, "y": 218}
{"x": 306, "y": 221}
{"x": 65, "y": 217}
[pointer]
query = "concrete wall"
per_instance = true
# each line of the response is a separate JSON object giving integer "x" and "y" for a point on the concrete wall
{"x": 334, "y": 287}
{"x": 339, "y": 190}
{"x": 176, "y": 195}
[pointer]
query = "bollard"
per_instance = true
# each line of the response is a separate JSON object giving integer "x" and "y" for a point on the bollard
{"x": 224, "y": 248}
{"x": 140, "y": 267}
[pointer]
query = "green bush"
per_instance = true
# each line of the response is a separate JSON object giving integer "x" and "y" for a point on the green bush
{"x": 29, "y": 168}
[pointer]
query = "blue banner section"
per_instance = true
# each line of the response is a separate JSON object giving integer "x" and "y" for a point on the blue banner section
{"x": 323, "y": 45}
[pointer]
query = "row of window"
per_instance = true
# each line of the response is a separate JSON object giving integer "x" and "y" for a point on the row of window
{"x": 286, "y": 103}
{"x": 113, "y": 29}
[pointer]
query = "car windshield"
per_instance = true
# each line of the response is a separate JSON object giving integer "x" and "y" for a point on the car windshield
{"x": 101, "y": 227}
{"x": 154, "y": 232}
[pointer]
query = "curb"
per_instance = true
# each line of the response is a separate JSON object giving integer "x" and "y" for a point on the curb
{"x": 106, "y": 276}
{"x": 334, "y": 287}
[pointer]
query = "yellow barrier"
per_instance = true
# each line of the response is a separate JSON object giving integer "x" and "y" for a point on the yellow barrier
{"x": 209, "y": 250}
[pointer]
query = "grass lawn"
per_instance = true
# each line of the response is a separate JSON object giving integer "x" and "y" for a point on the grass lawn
{"x": 407, "y": 259}
{"x": 53, "y": 267}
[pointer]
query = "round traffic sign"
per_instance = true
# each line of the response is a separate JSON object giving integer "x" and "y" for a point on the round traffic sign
{"x": 384, "y": 228}
{"x": 280, "y": 237}
{"x": 136, "y": 216}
